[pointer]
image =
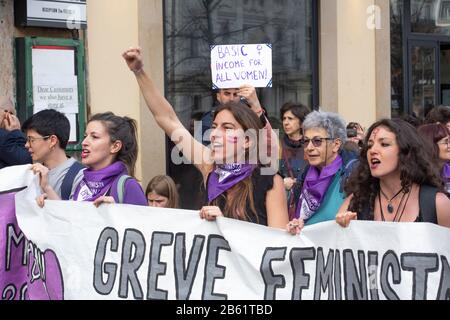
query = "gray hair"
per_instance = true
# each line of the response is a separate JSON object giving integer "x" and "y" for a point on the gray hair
{"x": 333, "y": 124}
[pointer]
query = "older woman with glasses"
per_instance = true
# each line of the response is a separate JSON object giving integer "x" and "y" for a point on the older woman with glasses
{"x": 438, "y": 136}
{"x": 329, "y": 165}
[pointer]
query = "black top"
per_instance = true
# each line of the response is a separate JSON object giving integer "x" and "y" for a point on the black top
{"x": 427, "y": 206}
{"x": 261, "y": 184}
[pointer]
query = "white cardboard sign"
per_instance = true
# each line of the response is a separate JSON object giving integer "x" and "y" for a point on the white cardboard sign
{"x": 238, "y": 64}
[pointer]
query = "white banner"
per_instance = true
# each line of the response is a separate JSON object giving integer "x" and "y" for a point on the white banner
{"x": 131, "y": 252}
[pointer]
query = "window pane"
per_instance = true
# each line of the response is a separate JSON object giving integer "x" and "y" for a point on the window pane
{"x": 430, "y": 16}
{"x": 397, "y": 57}
{"x": 423, "y": 60}
{"x": 191, "y": 26}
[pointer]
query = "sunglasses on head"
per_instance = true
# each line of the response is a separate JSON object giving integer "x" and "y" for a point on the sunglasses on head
{"x": 316, "y": 141}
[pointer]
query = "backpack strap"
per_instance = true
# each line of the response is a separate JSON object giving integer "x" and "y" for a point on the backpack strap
{"x": 121, "y": 187}
{"x": 66, "y": 186}
{"x": 427, "y": 203}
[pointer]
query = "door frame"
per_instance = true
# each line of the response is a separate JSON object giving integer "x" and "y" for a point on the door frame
{"x": 435, "y": 44}
{"x": 410, "y": 38}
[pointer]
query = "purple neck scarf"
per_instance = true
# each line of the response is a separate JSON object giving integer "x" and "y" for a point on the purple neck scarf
{"x": 446, "y": 172}
{"x": 97, "y": 183}
{"x": 315, "y": 187}
{"x": 226, "y": 176}
{"x": 446, "y": 176}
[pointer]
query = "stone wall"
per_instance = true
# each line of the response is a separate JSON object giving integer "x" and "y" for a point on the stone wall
{"x": 7, "y": 34}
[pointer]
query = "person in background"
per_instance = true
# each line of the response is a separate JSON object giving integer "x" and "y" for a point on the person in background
{"x": 355, "y": 133}
{"x": 439, "y": 114}
{"x": 245, "y": 94}
{"x": 292, "y": 162}
{"x": 109, "y": 151}
{"x": 48, "y": 133}
{"x": 396, "y": 180}
{"x": 12, "y": 140}
{"x": 412, "y": 120}
{"x": 162, "y": 192}
{"x": 438, "y": 137}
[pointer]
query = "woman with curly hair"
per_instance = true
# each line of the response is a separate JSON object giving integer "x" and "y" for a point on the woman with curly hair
{"x": 396, "y": 180}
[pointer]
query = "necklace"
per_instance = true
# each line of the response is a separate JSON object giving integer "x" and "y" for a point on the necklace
{"x": 390, "y": 207}
{"x": 399, "y": 206}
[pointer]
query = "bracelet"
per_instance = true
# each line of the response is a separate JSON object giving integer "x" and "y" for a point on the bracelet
{"x": 136, "y": 72}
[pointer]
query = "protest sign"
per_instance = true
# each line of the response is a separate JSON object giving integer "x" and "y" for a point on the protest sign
{"x": 235, "y": 65}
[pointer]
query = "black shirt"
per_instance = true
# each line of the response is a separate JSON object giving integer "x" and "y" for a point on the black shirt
{"x": 261, "y": 184}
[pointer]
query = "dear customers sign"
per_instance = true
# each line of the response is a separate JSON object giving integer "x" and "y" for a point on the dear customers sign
{"x": 67, "y": 14}
{"x": 235, "y": 65}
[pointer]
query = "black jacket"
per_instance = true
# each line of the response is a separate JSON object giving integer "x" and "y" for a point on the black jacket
{"x": 12, "y": 149}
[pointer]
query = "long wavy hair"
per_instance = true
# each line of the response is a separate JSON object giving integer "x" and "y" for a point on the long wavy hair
{"x": 239, "y": 195}
{"x": 415, "y": 163}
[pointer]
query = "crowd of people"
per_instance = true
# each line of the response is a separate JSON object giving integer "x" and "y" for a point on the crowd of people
{"x": 395, "y": 171}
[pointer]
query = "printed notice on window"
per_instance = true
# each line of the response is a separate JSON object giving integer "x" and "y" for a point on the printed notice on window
{"x": 235, "y": 65}
{"x": 55, "y": 92}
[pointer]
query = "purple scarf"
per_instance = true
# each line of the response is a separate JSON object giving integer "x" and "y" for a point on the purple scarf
{"x": 226, "y": 176}
{"x": 446, "y": 172}
{"x": 315, "y": 187}
{"x": 97, "y": 183}
{"x": 446, "y": 177}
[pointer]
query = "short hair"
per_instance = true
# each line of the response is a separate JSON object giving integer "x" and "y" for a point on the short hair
{"x": 50, "y": 122}
{"x": 164, "y": 186}
{"x": 300, "y": 111}
{"x": 412, "y": 120}
{"x": 333, "y": 124}
{"x": 439, "y": 114}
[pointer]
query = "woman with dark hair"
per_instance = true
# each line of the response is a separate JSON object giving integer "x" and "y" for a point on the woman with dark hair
{"x": 109, "y": 151}
{"x": 438, "y": 136}
{"x": 292, "y": 162}
{"x": 233, "y": 177}
{"x": 162, "y": 192}
{"x": 439, "y": 114}
{"x": 396, "y": 179}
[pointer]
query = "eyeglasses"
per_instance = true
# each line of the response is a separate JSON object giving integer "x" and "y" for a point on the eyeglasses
{"x": 316, "y": 141}
{"x": 32, "y": 139}
{"x": 447, "y": 142}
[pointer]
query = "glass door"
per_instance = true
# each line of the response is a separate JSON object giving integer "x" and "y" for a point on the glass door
{"x": 424, "y": 82}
